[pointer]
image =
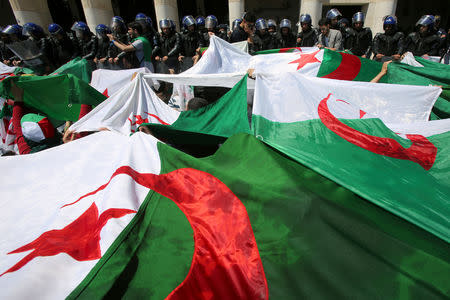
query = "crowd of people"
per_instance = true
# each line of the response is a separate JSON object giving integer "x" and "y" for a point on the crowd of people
{"x": 138, "y": 44}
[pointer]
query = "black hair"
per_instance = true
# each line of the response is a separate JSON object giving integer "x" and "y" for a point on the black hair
{"x": 196, "y": 103}
{"x": 324, "y": 21}
{"x": 136, "y": 26}
{"x": 249, "y": 17}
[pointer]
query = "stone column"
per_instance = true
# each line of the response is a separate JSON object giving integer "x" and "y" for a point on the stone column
{"x": 167, "y": 9}
{"x": 97, "y": 12}
{"x": 376, "y": 11}
{"x": 235, "y": 9}
{"x": 35, "y": 11}
{"x": 312, "y": 7}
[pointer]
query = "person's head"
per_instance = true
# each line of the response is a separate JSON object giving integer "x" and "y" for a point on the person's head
{"x": 222, "y": 28}
{"x": 196, "y": 103}
{"x": 56, "y": 31}
{"x": 200, "y": 22}
{"x": 236, "y": 23}
{"x": 324, "y": 26}
{"x": 189, "y": 23}
{"x": 261, "y": 25}
{"x": 333, "y": 16}
{"x": 248, "y": 22}
{"x": 13, "y": 33}
{"x": 101, "y": 31}
{"x": 425, "y": 24}
{"x": 390, "y": 24}
{"x": 33, "y": 31}
{"x": 211, "y": 23}
{"x": 145, "y": 21}
{"x": 343, "y": 23}
{"x": 305, "y": 22}
{"x": 285, "y": 26}
{"x": 358, "y": 20}
{"x": 272, "y": 25}
{"x": 166, "y": 26}
{"x": 81, "y": 30}
{"x": 135, "y": 29}
{"x": 118, "y": 25}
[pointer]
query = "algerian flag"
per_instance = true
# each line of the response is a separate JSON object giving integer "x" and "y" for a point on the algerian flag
{"x": 137, "y": 219}
{"x": 336, "y": 128}
{"x": 58, "y": 97}
{"x": 6, "y": 71}
{"x": 137, "y": 104}
{"x": 109, "y": 82}
{"x": 78, "y": 67}
{"x": 346, "y": 66}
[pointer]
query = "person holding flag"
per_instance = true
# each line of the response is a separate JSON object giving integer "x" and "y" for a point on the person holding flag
{"x": 139, "y": 45}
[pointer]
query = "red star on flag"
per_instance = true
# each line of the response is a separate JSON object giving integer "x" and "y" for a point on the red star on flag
{"x": 306, "y": 59}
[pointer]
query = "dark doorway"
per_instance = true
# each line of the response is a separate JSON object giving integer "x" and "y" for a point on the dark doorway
{"x": 347, "y": 11}
{"x": 409, "y": 12}
{"x": 219, "y": 8}
{"x": 66, "y": 12}
{"x": 187, "y": 7}
{"x": 128, "y": 9}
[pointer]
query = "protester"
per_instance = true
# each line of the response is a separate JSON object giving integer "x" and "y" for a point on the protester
{"x": 139, "y": 45}
{"x": 329, "y": 38}
{"x": 245, "y": 30}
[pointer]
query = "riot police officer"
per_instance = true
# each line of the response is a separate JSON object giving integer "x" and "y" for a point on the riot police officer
{"x": 223, "y": 32}
{"x": 211, "y": 23}
{"x": 334, "y": 15}
{"x": 359, "y": 40}
{"x": 288, "y": 39}
{"x": 387, "y": 45}
{"x": 235, "y": 24}
{"x": 200, "y": 20}
{"x": 65, "y": 45}
{"x": 191, "y": 43}
{"x": 424, "y": 41}
{"x": 10, "y": 34}
{"x": 171, "y": 44}
{"x": 119, "y": 32}
{"x": 101, "y": 58}
{"x": 36, "y": 34}
{"x": 307, "y": 37}
{"x": 263, "y": 38}
{"x": 88, "y": 42}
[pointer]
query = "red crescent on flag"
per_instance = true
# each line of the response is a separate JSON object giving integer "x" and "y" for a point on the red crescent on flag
{"x": 422, "y": 151}
{"x": 348, "y": 69}
{"x": 226, "y": 263}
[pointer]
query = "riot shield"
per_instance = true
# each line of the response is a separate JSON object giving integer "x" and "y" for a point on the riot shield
{"x": 28, "y": 52}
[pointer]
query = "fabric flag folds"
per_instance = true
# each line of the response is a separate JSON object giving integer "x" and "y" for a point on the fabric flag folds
{"x": 136, "y": 104}
{"x": 137, "y": 218}
{"x": 59, "y": 96}
{"x": 339, "y": 133}
{"x": 78, "y": 67}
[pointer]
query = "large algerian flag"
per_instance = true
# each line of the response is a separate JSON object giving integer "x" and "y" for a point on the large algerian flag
{"x": 78, "y": 67}
{"x": 137, "y": 104}
{"x": 341, "y": 130}
{"x": 108, "y": 82}
{"x": 139, "y": 219}
{"x": 59, "y": 96}
{"x": 6, "y": 71}
{"x": 344, "y": 66}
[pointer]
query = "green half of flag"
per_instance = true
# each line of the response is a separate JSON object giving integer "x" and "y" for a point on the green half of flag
{"x": 59, "y": 97}
{"x": 211, "y": 124}
{"x": 315, "y": 238}
{"x": 78, "y": 67}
